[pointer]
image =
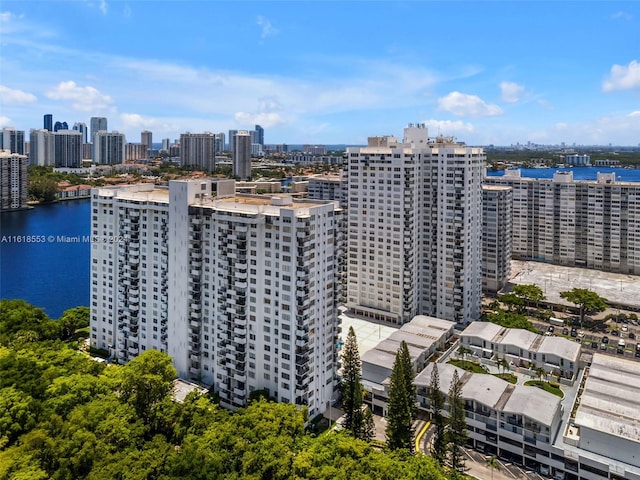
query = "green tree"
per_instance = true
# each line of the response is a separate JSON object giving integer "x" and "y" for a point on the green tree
{"x": 42, "y": 188}
{"x": 587, "y": 301}
{"x": 351, "y": 384}
{"x": 18, "y": 318}
{"x": 511, "y": 320}
{"x": 401, "y": 404}
{"x": 512, "y": 301}
{"x": 530, "y": 294}
{"x": 457, "y": 428}
{"x": 73, "y": 319}
{"x": 436, "y": 400}
{"x": 492, "y": 463}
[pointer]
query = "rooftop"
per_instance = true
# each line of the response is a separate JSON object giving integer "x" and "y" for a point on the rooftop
{"x": 610, "y": 402}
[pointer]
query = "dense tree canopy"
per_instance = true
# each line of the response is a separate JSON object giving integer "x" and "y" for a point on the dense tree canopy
{"x": 65, "y": 416}
{"x": 587, "y": 301}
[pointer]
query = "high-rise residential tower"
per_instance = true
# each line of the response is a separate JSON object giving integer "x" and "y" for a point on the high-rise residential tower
{"x": 12, "y": 140}
{"x": 67, "y": 148}
{"x": 82, "y": 128}
{"x": 109, "y": 148}
{"x": 232, "y": 133}
{"x": 415, "y": 221}
{"x": 239, "y": 291}
{"x": 48, "y": 122}
{"x": 13, "y": 180}
{"x": 497, "y": 208}
{"x": 98, "y": 124}
{"x": 41, "y": 147}
{"x": 146, "y": 138}
{"x": 198, "y": 150}
{"x": 242, "y": 155}
{"x": 259, "y": 135}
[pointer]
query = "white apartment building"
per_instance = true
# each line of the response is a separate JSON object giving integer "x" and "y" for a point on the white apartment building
{"x": 415, "y": 220}
{"x": 108, "y": 148}
{"x": 523, "y": 349}
{"x": 589, "y": 224}
{"x": 497, "y": 205}
{"x": 13, "y": 180}
{"x": 590, "y": 434}
{"x": 242, "y": 155}
{"x": 198, "y": 150}
{"x": 239, "y": 290}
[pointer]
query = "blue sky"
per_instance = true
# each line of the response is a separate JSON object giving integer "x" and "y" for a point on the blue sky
{"x": 328, "y": 71}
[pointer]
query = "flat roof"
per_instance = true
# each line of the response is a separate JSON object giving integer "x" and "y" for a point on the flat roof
{"x": 519, "y": 338}
{"x": 534, "y": 403}
{"x": 610, "y": 402}
{"x": 561, "y": 347}
{"x": 484, "y": 330}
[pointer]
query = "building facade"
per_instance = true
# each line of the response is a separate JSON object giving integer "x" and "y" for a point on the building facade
{"x": 12, "y": 140}
{"x": 588, "y": 224}
{"x": 146, "y": 138}
{"x": 242, "y": 155}
{"x": 497, "y": 207}
{"x": 97, "y": 124}
{"x": 13, "y": 180}
{"x": 239, "y": 290}
{"x": 67, "y": 148}
{"x": 109, "y": 148}
{"x": 415, "y": 220}
{"x": 198, "y": 150}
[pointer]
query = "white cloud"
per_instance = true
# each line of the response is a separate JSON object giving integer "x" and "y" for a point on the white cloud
{"x": 511, "y": 92}
{"x": 268, "y": 30}
{"x": 4, "y": 121}
{"x": 103, "y": 7}
{"x": 85, "y": 99}
{"x": 11, "y": 95}
{"x": 266, "y": 120}
{"x": 622, "y": 16}
{"x": 448, "y": 127}
{"x": 635, "y": 113}
{"x": 464, "y": 105}
{"x": 135, "y": 121}
{"x": 623, "y": 77}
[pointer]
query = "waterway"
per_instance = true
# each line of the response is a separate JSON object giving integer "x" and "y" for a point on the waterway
{"x": 579, "y": 173}
{"x": 45, "y": 255}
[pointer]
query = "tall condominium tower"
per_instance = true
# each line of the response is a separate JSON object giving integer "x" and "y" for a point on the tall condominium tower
{"x": 13, "y": 180}
{"x": 12, "y": 140}
{"x": 232, "y": 133}
{"x": 109, "y": 148}
{"x": 259, "y": 138}
{"x": 239, "y": 290}
{"x": 41, "y": 147}
{"x": 82, "y": 128}
{"x": 48, "y": 122}
{"x": 67, "y": 148}
{"x": 146, "y": 138}
{"x": 242, "y": 155}
{"x": 198, "y": 150}
{"x": 497, "y": 218}
{"x": 415, "y": 220}
{"x": 98, "y": 124}
{"x": 220, "y": 142}
{"x": 589, "y": 224}
{"x": 58, "y": 126}
{"x": 165, "y": 144}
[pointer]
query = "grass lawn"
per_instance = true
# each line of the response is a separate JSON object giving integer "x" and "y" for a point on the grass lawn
{"x": 509, "y": 377}
{"x": 545, "y": 386}
{"x": 468, "y": 366}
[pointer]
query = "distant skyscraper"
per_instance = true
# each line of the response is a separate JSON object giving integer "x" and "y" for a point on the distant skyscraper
{"x": 242, "y": 155}
{"x": 12, "y": 140}
{"x": 60, "y": 126}
{"x": 146, "y": 138}
{"x": 231, "y": 135}
{"x": 415, "y": 220}
{"x": 109, "y": 148}
{"x": 41, "y": 147}
{"x": 67, "y": 148}
{"x": 98, "y": 124}
{"x": 82, "y": 128}
{"x": 259, "y": 135}
{"x": 13, "y": 180}
{"x": 166, "y": 143}
{"x": 220, "y": 142}
{"x": 198, "y": 150}
{"x": 48, "y": 122}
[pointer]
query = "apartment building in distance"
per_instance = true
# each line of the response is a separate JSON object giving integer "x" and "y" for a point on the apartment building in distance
{"x": 239, "y": 290}
{"x": 497, "y": 206}
{"x": 588, "y": 224}
{"x": 13, "y": 180}
{"x": 198, "y": 150}
{"x": 415, "y": 221}
{"x": 109, "y": 148}
{"x": 12, "y": 140}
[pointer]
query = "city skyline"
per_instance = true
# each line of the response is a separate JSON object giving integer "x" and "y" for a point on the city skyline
{"x": 328, "y": 73}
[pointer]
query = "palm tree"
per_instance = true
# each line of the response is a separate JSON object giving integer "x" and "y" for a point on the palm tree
{"x": 541, "y": 372}
{"x": 492, "y": 463}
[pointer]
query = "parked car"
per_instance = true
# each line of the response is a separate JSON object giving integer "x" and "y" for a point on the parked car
{"x": 565, "y": 331}
{"x": 594, "y": 345}
{"x": 615, "y": 333}
{"x": 603, "y": 346}
{"x": 624, "y": 328}
{"x": 574, "y": 332}
{"x": 632, "y": 335}
{"x": 605, "y": 339}
{"x": 550, "y": 329}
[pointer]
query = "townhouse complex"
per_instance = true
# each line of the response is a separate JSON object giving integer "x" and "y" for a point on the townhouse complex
{"x": 239, "y": 290}
{"x": 590, "y": 224}
{"x": 415, "y": 221}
